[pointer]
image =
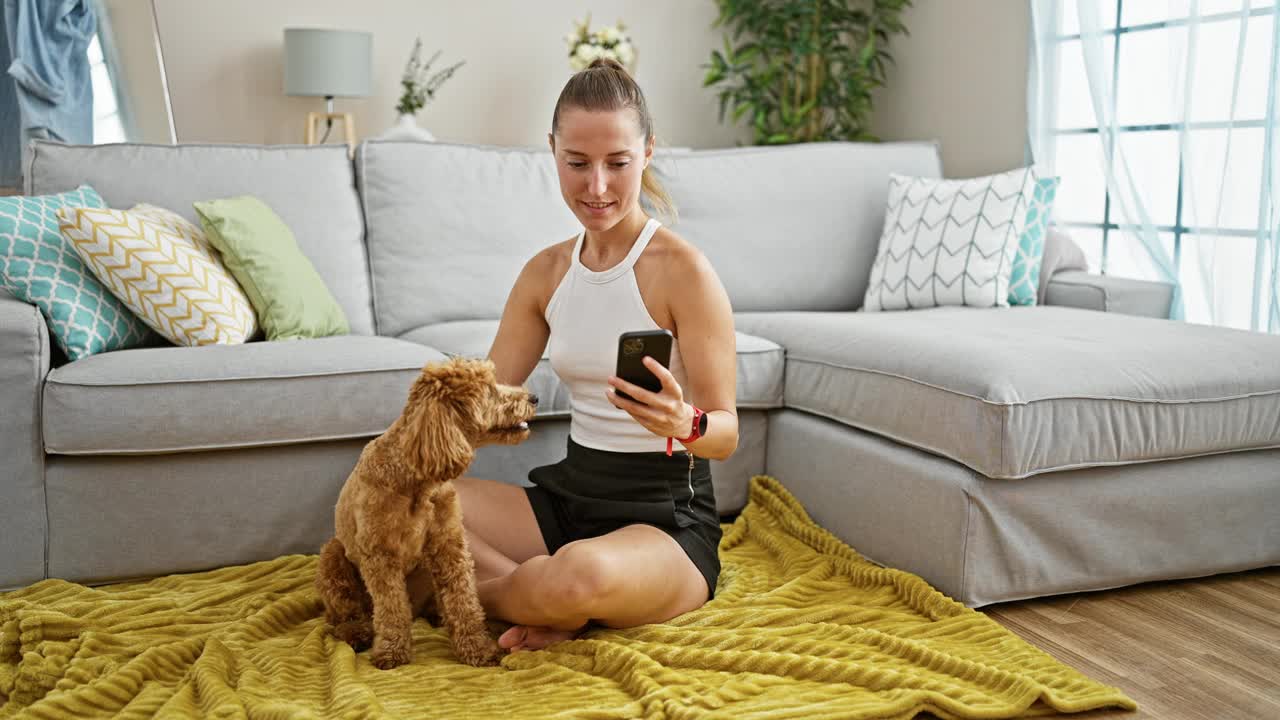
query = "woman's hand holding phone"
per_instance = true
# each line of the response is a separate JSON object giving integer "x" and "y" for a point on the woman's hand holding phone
{"x": 664, "y": 413}
{"x": 644, "y": 387}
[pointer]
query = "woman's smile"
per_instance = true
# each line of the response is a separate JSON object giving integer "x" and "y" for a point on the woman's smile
{"x": 598, "y": 208}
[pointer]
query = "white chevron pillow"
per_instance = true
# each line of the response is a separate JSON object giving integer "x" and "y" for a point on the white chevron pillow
{"x": 160, "y": 266}
{"x": 949, "y": 242}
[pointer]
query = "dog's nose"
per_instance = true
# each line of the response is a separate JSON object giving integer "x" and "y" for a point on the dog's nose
{"x": 533, "y": 399}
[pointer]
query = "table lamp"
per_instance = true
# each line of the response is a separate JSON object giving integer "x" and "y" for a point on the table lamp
{"x": 328, "y": 64}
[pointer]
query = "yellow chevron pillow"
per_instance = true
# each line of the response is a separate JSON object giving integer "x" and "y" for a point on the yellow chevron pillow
{"x": 162, "y": 268}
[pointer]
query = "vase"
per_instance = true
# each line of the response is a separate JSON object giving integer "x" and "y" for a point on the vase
{"x": 407, "y": 128}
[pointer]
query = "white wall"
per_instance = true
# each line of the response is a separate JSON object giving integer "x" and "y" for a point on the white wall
{"x": 132, "y": 26}
{"x": 960, "y": 76}
{"x": 224, "y": 64}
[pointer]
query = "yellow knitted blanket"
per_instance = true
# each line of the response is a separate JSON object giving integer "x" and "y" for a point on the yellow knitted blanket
{"x": 802, "y": 627}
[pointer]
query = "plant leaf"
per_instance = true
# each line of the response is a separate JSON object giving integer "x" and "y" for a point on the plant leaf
{"x": 803, "y": 69}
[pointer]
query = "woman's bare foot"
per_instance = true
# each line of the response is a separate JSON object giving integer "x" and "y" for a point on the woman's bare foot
{"x": 533, "y": 637}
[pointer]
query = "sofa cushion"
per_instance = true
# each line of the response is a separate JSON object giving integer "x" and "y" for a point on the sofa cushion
{"x": 760, "y": 364}
{"x": 1012, "y": 392}
{"x": 40, "y": 266}
{"x": 161, "y": 267}
{"x": 288, "y": 294}
{"x": 450, "y": 226}
{"x": 1028, "y": 260}
{"x": 311, "y": 188}
{"x": 950, "y": 242}
{"x": 159, "y": 400}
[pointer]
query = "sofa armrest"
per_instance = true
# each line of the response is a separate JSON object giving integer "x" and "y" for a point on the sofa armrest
{"x": 1109, "y": 294}
{"x": 24, "y": 363}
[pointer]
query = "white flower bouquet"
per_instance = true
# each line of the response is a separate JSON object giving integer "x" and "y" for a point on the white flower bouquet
{"x": 610, "y": 41}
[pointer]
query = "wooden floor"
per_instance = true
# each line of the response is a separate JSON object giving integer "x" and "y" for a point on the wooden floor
{"x": 1204, "y": 649}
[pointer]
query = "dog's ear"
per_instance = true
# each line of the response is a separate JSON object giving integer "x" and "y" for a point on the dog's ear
{"x": 435, "y": 439}
{"x": 472, "y": 384}
{"x": 444, "y": 398}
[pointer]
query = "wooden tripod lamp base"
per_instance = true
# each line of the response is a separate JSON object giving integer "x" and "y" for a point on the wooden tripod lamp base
{"x": 316, "y": 121}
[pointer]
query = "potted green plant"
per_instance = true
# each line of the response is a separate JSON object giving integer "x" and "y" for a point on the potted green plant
{"x": 803, "y": 70}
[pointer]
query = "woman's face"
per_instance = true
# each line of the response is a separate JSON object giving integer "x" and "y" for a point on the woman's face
{"x": 600, "y": 157}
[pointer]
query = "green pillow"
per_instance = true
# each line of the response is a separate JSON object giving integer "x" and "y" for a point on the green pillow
{"x": 261, "y": 253}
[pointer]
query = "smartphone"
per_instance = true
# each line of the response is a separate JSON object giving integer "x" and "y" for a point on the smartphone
{"x": 632, "y": 347}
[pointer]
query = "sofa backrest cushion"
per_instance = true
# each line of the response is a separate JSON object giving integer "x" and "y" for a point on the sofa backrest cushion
{"x": 787, "y": 228}
{"x": 450, "y": 226}
{"x": 311, "y": 188}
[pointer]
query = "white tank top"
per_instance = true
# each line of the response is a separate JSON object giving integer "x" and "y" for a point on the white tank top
{"x": 587, "y": 313}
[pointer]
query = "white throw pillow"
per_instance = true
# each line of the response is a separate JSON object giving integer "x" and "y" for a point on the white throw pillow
{"x": 162, "y": 268}
{"x": 949, "y": 242}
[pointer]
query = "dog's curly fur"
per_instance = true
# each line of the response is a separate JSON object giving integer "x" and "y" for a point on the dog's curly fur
{"x": 399, "y": 523}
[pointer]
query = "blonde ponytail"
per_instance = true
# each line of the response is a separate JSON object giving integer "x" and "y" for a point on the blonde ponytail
{"x": 658, "y": 196}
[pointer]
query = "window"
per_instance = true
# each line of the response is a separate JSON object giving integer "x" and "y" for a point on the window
{"x": 1177, "y": 101}
{"x": 107, "y": 125}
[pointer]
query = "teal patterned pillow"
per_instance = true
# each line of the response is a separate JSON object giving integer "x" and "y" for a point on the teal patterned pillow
{"x": 1024, "y": 283}
{"x": 38, "y": 266}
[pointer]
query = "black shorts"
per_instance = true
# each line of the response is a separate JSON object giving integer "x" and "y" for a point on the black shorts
{"x": 594, "y": 492}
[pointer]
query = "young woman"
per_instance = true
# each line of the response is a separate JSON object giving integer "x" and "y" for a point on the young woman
{"x": 621, "y": 532}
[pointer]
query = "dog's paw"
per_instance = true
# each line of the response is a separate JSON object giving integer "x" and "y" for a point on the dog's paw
{"x": 356, "y": 633}
{"x": 386, "y": 656}
{"x": 480, "y": 652}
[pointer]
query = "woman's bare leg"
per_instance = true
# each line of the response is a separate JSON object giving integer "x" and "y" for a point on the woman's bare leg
{"x": 632, "y": 576}
{"x": 502, "y": 531}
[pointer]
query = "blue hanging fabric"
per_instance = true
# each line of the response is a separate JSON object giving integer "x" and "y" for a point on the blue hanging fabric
{"x": 10, "y": 119}
{"x": 49, "y": 43}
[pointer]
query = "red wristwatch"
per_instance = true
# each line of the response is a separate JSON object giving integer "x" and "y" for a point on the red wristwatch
{"x": 699, "y": 429}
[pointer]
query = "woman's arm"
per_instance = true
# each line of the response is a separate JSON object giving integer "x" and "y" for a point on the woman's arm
{"x": 708, "y": 346}
{"x": 703, "y": 320}
{"x": 523, "y": 330}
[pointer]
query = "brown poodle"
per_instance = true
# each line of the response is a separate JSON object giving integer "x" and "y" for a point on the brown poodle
{"x": 399, "y": 516}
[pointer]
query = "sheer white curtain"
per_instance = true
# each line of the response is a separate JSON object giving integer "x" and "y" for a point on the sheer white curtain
{"x": 1161, "y": 118}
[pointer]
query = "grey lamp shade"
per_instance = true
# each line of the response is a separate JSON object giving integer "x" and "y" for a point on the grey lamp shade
{"x": 327, "y": 62}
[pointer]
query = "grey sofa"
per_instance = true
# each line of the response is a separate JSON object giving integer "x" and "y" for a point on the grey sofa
{"x": 1000, "y": 454}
